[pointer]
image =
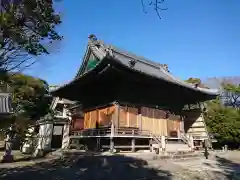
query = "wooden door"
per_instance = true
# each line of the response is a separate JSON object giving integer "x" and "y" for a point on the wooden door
{"x": 173, "y": 125}
{"x": 57, "y": 136}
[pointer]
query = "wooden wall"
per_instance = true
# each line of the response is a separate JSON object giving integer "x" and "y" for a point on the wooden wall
{"x": 128, "y": 117}
{"x": 154, "y": 120}
{"x": 98, "y": 117}
{"x": 150, "y": 119}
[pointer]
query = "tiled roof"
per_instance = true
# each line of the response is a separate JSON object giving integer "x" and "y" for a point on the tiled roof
{"x": 141, "y": 64}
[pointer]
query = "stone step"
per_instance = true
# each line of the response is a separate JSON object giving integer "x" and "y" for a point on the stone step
{"x": 179, "y": 156}
{"x": 166, "y": 155}
{"x": 177, "y": 147}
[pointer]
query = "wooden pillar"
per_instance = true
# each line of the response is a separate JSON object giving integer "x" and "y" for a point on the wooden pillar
{"x": 111, "y": 138}
{"x": 98, "y": 144}
{"x": 140, "y": 118}
{"x": 116, "y": 118}
{"x": 182, "y": 130}
{"x": 133, "y": 145}
{"x": 128, "y": 116}
{"x": 163, "y": 143}
{"x": 191, "y": 142}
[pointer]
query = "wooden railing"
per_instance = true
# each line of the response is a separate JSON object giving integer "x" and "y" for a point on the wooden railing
{"x": 131, "y": 131}
{"x": 106, "y": 131}
{"x": 185, "y": 139}
{"x": 92, "y": 132}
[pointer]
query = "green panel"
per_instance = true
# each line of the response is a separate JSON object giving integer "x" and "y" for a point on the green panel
{"x": 92, "y": 62}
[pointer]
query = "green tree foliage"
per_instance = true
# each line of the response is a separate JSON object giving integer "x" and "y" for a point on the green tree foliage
{"x": 224, "y": 123}
{"x": 25, "y": 28}
{"x": 29, "y": 96}
{"x": 196, "y": 81}
{"x": 30, "y": 101}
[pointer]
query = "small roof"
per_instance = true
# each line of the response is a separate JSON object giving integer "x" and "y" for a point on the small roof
{"x": 57, "y": 100}
{"x": 141, "y": 64}
{"x": 5, "y": 103}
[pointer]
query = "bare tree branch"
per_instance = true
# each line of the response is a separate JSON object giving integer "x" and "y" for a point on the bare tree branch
{"x": 156, "y": 5}
{"x": 25, "y": 28}
{"x": 19, "y": 64}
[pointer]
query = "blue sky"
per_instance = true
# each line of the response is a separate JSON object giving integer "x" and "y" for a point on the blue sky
{"x": 196, "y": 38}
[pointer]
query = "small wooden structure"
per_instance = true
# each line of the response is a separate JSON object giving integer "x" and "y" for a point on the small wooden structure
{"x": 6, "y": 110}
{"x": 128, "y": 101}
{"x": 5, "y": 100}
{"x": 52, "y": 130}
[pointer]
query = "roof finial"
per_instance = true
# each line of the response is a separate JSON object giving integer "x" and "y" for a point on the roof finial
{"x": 92, "y": 37}
{"x": 165, "y": 66}
{"x": 196, "y": 85}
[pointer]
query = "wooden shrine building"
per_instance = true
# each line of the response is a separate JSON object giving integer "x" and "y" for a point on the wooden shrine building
{"x": 128, "y": 100}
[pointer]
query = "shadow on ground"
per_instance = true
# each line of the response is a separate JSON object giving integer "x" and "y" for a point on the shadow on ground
{"x": 230, "y": 169}
{"x": 87, "y": 167}
{"x": 223, "y": 168}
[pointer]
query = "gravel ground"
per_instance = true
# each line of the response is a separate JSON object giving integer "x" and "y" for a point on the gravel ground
{"x": 104, "y": 167}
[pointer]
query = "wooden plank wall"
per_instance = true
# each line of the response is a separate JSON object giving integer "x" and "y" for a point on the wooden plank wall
{"x": 100, "y": 117}
{"x": 173, "y": 125}
{"x": 153, "y": 120}
{"x": 128, "y": 117}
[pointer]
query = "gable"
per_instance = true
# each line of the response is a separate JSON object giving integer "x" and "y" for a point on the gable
{"x": 89, "y": 62}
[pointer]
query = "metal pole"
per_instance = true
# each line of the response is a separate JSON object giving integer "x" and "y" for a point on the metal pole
{"x": 205, "y": 148}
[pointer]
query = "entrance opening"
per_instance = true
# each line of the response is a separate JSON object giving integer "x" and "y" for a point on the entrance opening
{"x": 57, "y": 136}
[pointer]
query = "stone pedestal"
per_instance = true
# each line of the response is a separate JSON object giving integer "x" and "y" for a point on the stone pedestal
{"x": 38, "y": 153}
{"x": 8, "y": 157}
